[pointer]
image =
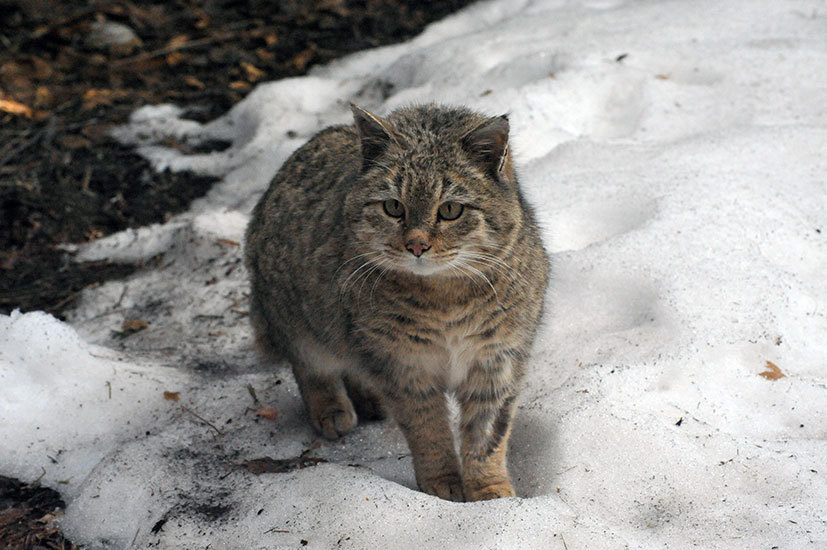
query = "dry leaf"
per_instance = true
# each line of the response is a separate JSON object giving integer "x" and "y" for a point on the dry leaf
{"x": 253, "y": 72}
{"x": 172, "y": 395}
{"x": 100, "y": 96}
{"x": 194, "y": 82}
{"x": 772, "y": 372}
{"x": 228, "y": 242}
{"x": 662, "y": 76}
{"x": 134, "y": 325}
{"x": 240, "y": 85}
{"x": 270, "y": 413}
{"x": 301, "y": 59}
{"x": 10, "y": 516}
{"x": 264, "y": 55}
{"x": 74, "y": 141}
{"x": 175, "y": 58}
{"x": 177, "y": 41}
{"x": 15, "y": 108}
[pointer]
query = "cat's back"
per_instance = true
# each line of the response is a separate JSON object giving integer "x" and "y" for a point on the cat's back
{"x": 310, "y": 178}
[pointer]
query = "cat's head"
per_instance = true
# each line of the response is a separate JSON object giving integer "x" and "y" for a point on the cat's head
{"x": 437, "y": 192}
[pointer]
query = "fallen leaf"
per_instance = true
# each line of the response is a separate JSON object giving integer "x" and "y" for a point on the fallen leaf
{"x": 177, "y": 41}
{"x": 253, "y": 72}
{"x": 10, "y": 516}
{"x": 228, "y": 242}
{"x": 270, "y": 413}
{"x": 194, "y": 82}
{"x": 73, "y": 141}
{"x": 301, "y": 59}
{"x": 100, "y": 96}
{"x": 772, "y": 372}
{"x": 264, "y": 55}
{"x": 172, "y": 395}
{"x": 662, "y": 76}
{"x": 134, "y": 325}
{"x": 240, "y": 85}
{"x": 15, "y": 108}
{"x": 175, "y": 58}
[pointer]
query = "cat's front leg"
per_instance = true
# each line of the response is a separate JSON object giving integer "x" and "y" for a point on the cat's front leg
{"x": 422, "y": 414}
{"x": 487, "y": 409}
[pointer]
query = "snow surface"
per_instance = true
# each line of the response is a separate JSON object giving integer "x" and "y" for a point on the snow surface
{"x": 675, "y": 152}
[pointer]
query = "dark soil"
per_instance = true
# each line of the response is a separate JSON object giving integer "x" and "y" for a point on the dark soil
{"x": 63, "y": 180}
{"x": 26, "y": 512}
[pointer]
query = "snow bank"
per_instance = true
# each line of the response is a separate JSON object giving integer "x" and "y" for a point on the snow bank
{"x": 675, "y": 154}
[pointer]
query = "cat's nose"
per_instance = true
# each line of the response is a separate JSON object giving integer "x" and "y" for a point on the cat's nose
{"x": 417, "y": 247}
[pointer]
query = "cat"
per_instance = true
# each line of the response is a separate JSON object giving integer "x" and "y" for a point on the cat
{"x": 395, "y": 262}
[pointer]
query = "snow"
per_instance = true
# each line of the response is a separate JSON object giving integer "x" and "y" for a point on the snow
{"x": 681, "y": 191}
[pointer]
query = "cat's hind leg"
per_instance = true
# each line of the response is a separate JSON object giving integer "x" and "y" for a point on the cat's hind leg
{"x": 319, "y": 375}
{"x": 364, "y": 399}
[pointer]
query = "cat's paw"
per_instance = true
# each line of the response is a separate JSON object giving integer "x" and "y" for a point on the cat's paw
{"x": 447, "y": 487}
{"x": 500, "y": 489}
{"x": 334, "y": 422}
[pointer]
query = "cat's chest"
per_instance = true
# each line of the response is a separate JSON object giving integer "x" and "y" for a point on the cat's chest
{"x": 446, "y": 357}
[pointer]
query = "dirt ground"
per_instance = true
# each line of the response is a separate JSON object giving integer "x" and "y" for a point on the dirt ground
{"x": 70, "y": 71}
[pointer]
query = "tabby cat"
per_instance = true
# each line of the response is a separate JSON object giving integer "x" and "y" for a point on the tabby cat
{"x": 395, "y": 263}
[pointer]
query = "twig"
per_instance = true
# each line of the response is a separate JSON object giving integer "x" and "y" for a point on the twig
{"x": 252, "y": 391}
{"x": 25, "y": 144}
{"x": 169, "y": 49}
{"x": 202, "y": 419}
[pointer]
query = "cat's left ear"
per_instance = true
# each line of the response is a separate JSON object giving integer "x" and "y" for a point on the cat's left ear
{"x": 488, "y": 144}
{"x": 375, "y": 134}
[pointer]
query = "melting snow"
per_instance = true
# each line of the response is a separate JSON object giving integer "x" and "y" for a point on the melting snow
{"x": 675, "y": 152}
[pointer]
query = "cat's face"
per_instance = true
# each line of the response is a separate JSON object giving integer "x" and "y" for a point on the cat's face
{"x": 431, "y": 205}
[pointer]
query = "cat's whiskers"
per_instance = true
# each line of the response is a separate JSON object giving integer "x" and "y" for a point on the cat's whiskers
{"x": 347, "y": 284}
{"x": 338, "y": 269}
{"x": 496, "y": 264}
{"x": 367, "y": 275}
{"x": 465, "y": 275}
{"x": 388, "y": 267}
{"x": 477, "y": 272}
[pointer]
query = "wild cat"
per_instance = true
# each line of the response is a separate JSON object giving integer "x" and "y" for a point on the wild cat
{"x": 393, "y": 263}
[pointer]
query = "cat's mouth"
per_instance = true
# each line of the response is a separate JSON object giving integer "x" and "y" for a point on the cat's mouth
{"x": 424, "y": 266}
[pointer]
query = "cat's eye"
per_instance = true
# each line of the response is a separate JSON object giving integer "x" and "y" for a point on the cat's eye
{"x": 393, "y": 208}
{"x": 450, "y": 210}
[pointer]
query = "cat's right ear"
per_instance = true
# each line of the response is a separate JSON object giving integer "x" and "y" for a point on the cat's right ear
{"x": 375, "y": 134}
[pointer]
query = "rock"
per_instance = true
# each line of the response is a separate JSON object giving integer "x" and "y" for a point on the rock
{"x": 114, "y": 37}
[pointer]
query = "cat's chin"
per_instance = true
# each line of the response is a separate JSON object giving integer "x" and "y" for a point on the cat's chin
{"x": 423, "y": 267}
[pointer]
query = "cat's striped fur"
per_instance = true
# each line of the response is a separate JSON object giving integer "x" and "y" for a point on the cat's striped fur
{"x": 383, "y": 300}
